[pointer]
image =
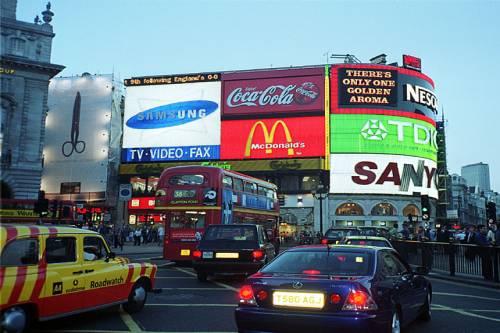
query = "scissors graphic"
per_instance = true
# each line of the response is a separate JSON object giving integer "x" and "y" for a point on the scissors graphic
{"x": 74, "y": 145}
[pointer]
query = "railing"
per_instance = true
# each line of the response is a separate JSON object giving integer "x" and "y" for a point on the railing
{"x": 452, "y": 258}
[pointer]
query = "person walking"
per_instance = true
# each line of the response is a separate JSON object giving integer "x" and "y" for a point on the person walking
{"x": 137, "y": 237}
{"x": 161, "y": 234}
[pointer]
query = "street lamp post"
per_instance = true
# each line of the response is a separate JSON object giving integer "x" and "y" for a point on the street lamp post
{"x": 320, "y": 194}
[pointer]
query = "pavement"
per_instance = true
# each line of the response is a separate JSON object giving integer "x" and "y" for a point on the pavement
{"x": 129, "y": 248}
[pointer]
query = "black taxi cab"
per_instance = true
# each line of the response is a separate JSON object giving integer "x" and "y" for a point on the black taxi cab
{"x": 48, "y": 272}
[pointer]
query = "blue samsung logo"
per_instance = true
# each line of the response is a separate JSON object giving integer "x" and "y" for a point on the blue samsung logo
{"x": 172, "y": 114}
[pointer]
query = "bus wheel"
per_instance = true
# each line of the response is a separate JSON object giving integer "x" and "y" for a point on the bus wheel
{"x": 202, "y": 277}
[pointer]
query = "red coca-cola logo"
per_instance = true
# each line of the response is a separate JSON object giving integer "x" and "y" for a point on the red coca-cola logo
{"x": 306, "y": 93}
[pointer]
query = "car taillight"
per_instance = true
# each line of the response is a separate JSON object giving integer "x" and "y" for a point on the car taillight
{"x": 324, "y": 241}
{"x": 358, "y": 300}
{"x": 335, "y": 298}
{"x": 258, "y": 254}
{"x": 262, "y": 295}
{"x": 246, "y": 295}
{"x": 197, "y": 254}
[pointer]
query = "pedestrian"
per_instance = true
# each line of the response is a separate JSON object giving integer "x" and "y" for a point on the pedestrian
{"x": 492, "y": 235}
{"x": 393, "y": 233}
{"x": 421, "y": 234}
{"x": 405, "y": 232}
{"x": 484, "y": 253}
{"x": 161, "y": 234}
{"x": 137, "y": 237}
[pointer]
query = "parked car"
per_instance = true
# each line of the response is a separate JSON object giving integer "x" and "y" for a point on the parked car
{"x": 335, "y": 235}
{"x": 367, "y": 241}
{"x": 334, "y": 289}
{"x": 51, "y": 272}
{"x": 232, "y": 249}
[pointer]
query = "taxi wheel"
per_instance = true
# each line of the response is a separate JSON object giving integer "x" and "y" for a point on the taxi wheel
{"x": 395, "y": 322}
{"x": 202, "y": 277}
{"x": 15, "y": 320}
{"x": 137, "y": 298}
{"x": 426, "y": 309}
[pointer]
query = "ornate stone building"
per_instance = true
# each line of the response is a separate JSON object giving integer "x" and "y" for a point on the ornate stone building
{"x": 25, "y": 71}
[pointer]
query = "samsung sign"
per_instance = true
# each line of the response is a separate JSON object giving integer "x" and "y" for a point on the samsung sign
{"x": 172, "y": 114}
{"x": 175, "y": 122}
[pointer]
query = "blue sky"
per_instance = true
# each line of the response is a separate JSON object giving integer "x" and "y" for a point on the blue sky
{"x": 458, "y": 41}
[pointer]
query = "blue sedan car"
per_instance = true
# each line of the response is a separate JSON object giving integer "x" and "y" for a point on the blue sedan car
{"x": 341, "y": 288}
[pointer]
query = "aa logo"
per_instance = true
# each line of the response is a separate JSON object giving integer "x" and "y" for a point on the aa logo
{"x": 269, "y": 144}
{"x": 57, "y": 288}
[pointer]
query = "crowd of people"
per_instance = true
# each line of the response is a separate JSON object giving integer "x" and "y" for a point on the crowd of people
{"x": 118, "y": 235}
{"x": 481, "y": 235}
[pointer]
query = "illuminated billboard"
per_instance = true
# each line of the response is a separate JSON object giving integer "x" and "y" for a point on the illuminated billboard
{"x": 381, "y": 134}
{"x": 382, "y": 174}
{"x": 172, "y": 122}
{"x": 273, "y": 138}
{"x": 273, "y": 92}
{"x": 374, "y": 88}
{"x": 79, "y": 137}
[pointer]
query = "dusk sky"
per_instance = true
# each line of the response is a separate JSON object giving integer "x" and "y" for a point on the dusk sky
{"x": 458, "y": 42}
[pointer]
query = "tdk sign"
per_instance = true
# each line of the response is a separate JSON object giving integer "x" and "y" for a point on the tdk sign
{"x": 174, "y": 114}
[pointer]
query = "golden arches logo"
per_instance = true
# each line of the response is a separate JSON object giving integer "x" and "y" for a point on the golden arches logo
{"x": 268, "y": 136}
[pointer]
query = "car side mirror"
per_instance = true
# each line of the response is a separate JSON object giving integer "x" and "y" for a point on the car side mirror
{"x": 111, "y": 255}
{"x": 421, "y": 270}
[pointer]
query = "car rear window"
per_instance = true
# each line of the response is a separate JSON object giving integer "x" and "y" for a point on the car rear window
{"x": 341, "y": 233}
{"x": 232, "y": 233}
{"x": 337, "y": 263}
{"x": 367, "y": 242}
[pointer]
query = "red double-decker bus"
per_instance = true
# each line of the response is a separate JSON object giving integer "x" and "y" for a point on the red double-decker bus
{"x": 193, "y": 197}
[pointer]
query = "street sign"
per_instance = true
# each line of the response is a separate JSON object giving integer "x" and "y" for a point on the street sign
{"x": 125, "y": 192}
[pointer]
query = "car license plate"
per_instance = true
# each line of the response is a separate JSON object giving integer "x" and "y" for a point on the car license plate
{"x": 185, "y": 252}
{"x": 208, "y": 255}
{"x": 299, "y": 300}
{"x": 227, "y": 255}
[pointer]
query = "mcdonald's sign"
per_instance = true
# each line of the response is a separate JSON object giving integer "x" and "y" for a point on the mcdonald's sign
{"x": 273, "y": 138}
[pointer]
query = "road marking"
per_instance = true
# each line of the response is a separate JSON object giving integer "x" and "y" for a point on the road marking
{"x": 215, "y": 282}
{"x": 495, "y": 311}
{"x": 465, "y": 295}
{"x": 194, "y": 288}
{"x": 129, "y": 322}
{"x": 174, "y": 277}
{"x": 464, "y": 284}
{"x": 465, "y": 313}
{"x": 190, "y": 304}
{"x": 82, "y": 331}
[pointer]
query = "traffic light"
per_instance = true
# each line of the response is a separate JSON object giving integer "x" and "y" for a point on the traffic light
{"x": 426, "y": 207}
{"x": 491, "y": 212}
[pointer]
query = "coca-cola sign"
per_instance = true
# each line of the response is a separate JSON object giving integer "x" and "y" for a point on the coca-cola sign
{"x": 273, "y": 95}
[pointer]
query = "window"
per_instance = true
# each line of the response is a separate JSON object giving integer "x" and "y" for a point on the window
{"x": 384, "y": 209}
{"x": 391, "y": 265}
{"x": 187, "y": 220}
{"x": 309, "y": 183}
{"x": 261, "y": 190}
{"x": 187, "y": 180}
{"x": 17, "y": 46}
{"x": 60, "y": 249}
{"x": 20, "y": 252}
{"x": 349, "y": 208}
{"x": 152, "y": 184}
{"x": 94, "y": 248}
{"x": 231, "y": 233}
{"x": 411, "y": 210}
{"x": 138, "y": 185}
{"x": 227, "y": 181}
{"x": 332, "y": 263}
{"x": 70, "y": 188}
{"x": 238, "y": 184}
{"x": 250, "y": 187}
